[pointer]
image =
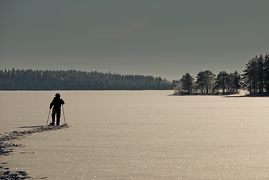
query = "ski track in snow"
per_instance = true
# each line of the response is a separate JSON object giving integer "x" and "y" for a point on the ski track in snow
{"x": 6, "y": 147}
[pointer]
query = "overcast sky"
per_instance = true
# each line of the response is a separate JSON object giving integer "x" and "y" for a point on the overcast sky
{"x": 156, "y": 37}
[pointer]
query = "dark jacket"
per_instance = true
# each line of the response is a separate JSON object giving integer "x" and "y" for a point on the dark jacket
{"x": 56, "y": 103}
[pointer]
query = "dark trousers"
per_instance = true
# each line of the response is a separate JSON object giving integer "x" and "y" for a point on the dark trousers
{"x": 57, "y": 113}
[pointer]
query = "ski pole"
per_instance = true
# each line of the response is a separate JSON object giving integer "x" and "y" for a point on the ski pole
{"x": 64, "y": 115}
{"x": 48, "y": 118}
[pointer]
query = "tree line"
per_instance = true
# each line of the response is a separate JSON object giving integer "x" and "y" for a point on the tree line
{"x": 208, "y": 83}
{"x": 255, "y": 79}
{"x": 256, "y": 75}
{"x": 19, "y": 79}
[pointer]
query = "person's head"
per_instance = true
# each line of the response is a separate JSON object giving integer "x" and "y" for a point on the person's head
{"x": 57, "y": 95}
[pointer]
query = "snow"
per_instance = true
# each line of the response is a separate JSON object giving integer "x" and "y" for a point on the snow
{"x": 139, "y": 135}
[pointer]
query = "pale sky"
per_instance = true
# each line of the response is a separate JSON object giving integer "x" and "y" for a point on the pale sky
{"x": 164, "y": 38}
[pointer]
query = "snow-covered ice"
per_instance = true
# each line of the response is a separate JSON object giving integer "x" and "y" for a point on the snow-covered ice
{"x": 139, "y": 135}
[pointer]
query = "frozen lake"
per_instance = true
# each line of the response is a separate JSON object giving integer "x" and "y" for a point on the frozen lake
{"x": 145, "y": 135}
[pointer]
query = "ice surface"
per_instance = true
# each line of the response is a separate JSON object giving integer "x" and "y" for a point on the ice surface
{"x": 140, "y": 135}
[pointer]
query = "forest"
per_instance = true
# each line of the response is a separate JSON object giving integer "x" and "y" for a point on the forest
{"x": 255, "y": 79}
{"x": 19, "y": 79}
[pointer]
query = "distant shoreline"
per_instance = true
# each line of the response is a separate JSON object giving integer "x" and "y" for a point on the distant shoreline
{"x": 227, "y": 94}
{"x": 2, "y": 90}
{"x": 29, "y": 79}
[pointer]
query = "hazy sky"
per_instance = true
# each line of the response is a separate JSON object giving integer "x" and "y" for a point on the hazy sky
{"x": 157, "y": 37}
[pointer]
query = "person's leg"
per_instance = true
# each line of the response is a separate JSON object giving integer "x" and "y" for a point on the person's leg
{"x": 53, "y": 117}
{"x": 58, "y": 117}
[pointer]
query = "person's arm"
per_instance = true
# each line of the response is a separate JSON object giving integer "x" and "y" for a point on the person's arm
{"x": 62, "y": 102}
{"x": 52, "y": 103}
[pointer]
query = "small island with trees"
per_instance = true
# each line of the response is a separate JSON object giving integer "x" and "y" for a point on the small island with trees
{"x": 255, "y": 79}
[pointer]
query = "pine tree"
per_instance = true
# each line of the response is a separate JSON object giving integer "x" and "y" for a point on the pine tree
{"x": 266, "y": 73}
{"x": 187, "y": 83}
{"x": 222, "y": 81}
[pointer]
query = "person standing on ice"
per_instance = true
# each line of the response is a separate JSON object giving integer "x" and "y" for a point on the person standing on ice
{"x": 56, "y": 103}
